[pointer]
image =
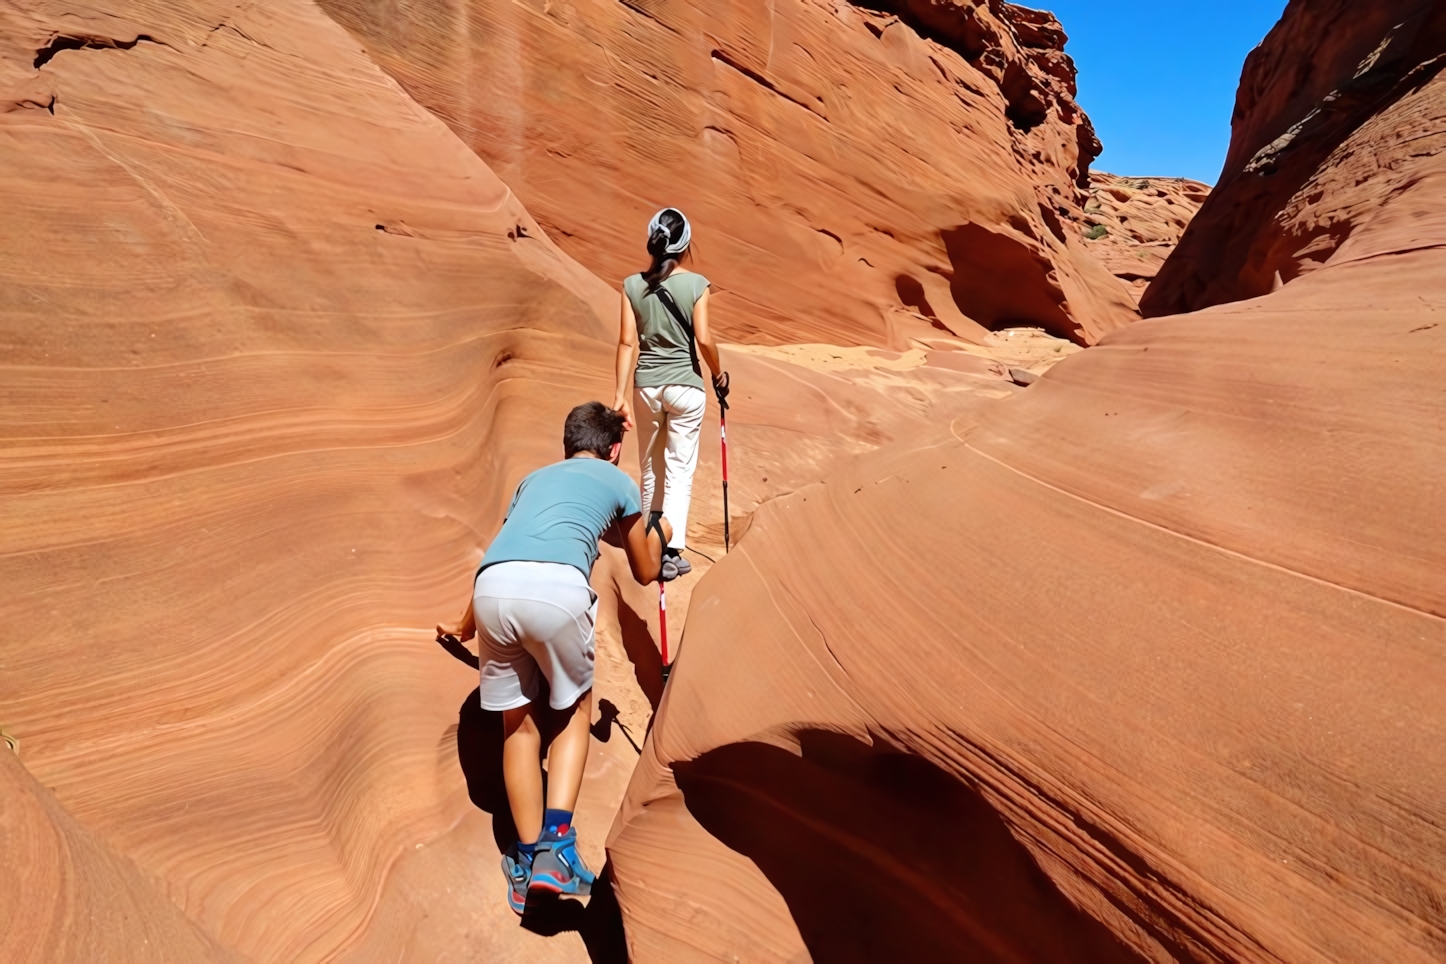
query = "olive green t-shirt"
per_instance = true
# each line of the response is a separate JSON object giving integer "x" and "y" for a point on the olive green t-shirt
{"x": 664, "y": 356}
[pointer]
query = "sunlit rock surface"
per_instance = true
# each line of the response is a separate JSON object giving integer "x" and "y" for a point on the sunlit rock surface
{"x": 1132, "y": 224}
{"x": 850, "y": 180}
{"x": 1161, "y": 633}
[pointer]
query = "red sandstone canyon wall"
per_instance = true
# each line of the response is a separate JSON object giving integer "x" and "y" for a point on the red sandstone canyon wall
{"x": 1146, "y": 662}
{"x": 1320, "y": 148}
{"x": 851, "y": 181}
{"x": 273, "y": 352}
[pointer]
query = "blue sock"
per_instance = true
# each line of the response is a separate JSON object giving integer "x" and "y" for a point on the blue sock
{"x": 555, "y": 824}
{"x": 526, "y": 849}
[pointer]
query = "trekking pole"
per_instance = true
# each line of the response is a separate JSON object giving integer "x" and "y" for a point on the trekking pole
{"x": 722, "y": 393}
{"x": 663, "y": 629}
{"x": 653, "y": 523}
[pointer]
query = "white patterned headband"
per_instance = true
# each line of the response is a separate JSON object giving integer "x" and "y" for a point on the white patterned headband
{"x": 673, "y": 247}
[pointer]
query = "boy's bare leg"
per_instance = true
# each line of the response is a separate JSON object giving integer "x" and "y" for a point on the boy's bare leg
{"x": 568, "y": 758}
{"x": 522, "y": 771}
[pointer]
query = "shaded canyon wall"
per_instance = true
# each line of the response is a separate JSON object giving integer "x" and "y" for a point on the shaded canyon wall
{"x": 1323, "y": 145}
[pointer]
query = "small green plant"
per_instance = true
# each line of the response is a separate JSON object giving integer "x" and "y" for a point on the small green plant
{"x": 1096, "y": 232}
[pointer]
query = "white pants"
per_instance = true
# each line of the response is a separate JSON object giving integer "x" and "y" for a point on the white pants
{"x": 669, "y": 418}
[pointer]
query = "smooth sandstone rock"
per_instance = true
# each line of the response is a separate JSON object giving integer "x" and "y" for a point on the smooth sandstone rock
{"x": 66, "y": 896}
{"x": 279, "y": 345}
{"x": 1133, "y": 224}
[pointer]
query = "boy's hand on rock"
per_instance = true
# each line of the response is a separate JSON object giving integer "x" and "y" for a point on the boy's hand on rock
{"x": 463, "y": 633}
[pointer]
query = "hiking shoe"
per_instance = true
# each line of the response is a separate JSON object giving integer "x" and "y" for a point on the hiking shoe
{"x": 517, "y": 868}
{"x": 669, "y": 572}
{"x": 683, "y": 565}
{"x": 557, "y": 868}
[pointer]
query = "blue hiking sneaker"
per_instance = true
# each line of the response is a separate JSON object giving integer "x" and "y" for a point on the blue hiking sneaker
{"x": 557, "y": 868}
{"x": 517, "y": 868}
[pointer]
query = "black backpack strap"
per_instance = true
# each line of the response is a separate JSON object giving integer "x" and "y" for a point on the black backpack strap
{"x": 666, "y": 297}
{"x": 655, "y": 522}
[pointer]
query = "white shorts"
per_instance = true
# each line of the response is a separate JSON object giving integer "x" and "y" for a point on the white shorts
{"x": 531, "y": 617}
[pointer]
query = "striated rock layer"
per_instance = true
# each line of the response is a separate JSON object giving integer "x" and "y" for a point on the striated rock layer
{"x": 850, "y": 181}
{"x": 274, "y": 355}
{"x": 66, "y": 897}
{"x": 1146, "y": 662}
{"x": 1325, "y": 141}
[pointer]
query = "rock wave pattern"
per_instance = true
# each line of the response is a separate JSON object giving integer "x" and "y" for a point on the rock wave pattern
{"x": 267, "y": 325}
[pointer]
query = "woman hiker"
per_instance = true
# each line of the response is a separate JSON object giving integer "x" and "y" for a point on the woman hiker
{"x": 659, "y": 381}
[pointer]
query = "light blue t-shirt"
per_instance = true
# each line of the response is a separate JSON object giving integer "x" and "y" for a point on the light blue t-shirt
{"x": 561, "y": 511}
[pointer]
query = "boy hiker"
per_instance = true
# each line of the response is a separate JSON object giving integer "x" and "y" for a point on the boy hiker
{"x": 535, "y": 610}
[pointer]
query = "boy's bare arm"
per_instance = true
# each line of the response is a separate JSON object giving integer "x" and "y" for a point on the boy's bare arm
{"x": 644, "y": 549}
{"x": 466, "y": 627}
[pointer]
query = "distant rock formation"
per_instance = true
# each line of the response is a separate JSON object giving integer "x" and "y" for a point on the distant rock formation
{"x": 1134, "y": 223}
{"x": 1319, "y": 101}
{"x": 858, "y": 173}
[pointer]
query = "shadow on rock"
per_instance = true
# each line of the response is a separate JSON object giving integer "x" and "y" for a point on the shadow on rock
{"x": 599, "y": 922}
{"x": 479, "y": 752}
{"x": 881, "y": 855}
{"x": 642, "y": 650}
{"x": 608, "y": 717}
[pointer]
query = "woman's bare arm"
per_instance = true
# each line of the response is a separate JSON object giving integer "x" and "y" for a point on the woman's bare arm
{"x": 706, "y": 346}
{"x": 626, "y": 360}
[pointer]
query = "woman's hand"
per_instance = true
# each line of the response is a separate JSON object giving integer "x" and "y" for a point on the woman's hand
{"x": 620, "y": 405}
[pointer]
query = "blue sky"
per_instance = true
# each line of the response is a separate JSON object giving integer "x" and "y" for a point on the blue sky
{"x": 1158, "y": 77}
